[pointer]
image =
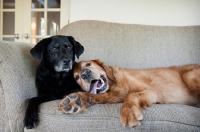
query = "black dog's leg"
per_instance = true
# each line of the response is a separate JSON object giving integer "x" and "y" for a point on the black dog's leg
{"x": 31, "y": 114}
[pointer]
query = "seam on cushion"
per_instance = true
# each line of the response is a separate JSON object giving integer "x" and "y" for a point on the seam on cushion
{"x": 59, "y": 116}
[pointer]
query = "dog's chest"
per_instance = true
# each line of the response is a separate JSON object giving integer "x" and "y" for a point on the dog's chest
{"x": 62, "y": 80}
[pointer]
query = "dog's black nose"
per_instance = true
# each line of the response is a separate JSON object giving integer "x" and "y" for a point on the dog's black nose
{"x": 66, "y": 61}
{"x": 86, "y": 74}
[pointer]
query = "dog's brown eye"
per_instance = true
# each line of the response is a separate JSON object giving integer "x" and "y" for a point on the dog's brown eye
{"x": 88, "y": 64}
{"x": 76, "y": 78}
{"x": 55, "y": 48}
{"x": 67, "y": 47}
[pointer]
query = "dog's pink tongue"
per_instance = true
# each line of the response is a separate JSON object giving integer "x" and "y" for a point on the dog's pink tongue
{"x": 93, "y": 88}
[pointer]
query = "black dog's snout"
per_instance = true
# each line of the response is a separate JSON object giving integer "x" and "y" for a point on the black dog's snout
{"x": 66, "y": 61}
{"x": 86, "y": 74}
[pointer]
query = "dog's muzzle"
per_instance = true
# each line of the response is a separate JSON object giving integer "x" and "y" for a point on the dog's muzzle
{"x": 64, "y": 65}
{"x": 86, "y": 74}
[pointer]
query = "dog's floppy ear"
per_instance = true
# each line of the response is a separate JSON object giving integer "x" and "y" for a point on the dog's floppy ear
{"x": 77, "y": 47}
{"x": 109, "y": 71}
{"x": 38, "y": 50}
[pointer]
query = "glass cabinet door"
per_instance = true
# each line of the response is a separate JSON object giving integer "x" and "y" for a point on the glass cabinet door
{"x": 32, "y": 20}
{"x": 7, "y": 20}
{"x": 45, "y": 18}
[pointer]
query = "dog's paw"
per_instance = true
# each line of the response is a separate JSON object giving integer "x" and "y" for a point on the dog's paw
{"x": 31, "y": 119}
{"x": 131, "y": 116}
{"x": 75, "y": 103}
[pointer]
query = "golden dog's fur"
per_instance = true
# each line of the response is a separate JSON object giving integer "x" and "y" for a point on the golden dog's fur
{"x": 135, "y": 88}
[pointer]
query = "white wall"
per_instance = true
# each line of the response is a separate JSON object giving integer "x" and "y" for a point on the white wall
{"x": 148, "y": 12}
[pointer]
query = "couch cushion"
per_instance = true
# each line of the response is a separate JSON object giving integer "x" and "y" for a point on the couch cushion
{"x": 136, "y": 46}
{"x": 105, "y": 117}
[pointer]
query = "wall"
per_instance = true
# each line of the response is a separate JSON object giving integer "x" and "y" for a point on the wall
{"x": 148, "y": 12}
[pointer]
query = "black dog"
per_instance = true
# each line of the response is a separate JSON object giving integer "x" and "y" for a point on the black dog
{"x": 54, "y": 77}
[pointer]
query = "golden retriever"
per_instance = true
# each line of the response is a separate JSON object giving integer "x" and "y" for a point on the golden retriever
{"x": 137, "y": 89}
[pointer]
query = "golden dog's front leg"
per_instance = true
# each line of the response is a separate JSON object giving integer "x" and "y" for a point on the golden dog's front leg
{"x": 131, "y": 111}
{"x": 78, "y": 102}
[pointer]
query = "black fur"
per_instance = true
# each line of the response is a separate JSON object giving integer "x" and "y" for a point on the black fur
{"x": 54, "y": 77}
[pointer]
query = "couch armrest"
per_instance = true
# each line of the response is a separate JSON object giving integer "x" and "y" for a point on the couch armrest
{"x": 17, "y": 75}
{"x": 4, "y": 126}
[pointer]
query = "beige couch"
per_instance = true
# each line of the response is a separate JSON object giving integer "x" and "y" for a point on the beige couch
{"x": 125, "y": 45}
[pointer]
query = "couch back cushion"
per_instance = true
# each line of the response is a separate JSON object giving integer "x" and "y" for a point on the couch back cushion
{"x": 136, "y": 46}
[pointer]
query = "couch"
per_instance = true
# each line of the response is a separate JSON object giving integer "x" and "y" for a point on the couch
{"x": 124, "y": 45}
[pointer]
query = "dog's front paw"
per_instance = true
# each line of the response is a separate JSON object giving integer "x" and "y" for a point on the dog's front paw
{"x": 30, "y": 119}
{"x": 130, "y": 115}
{"x": 75, "y": 103}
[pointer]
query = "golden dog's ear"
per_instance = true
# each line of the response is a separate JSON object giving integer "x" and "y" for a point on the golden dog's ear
{"x": 109, "y": 72}
{"x": 100, "y": 63}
